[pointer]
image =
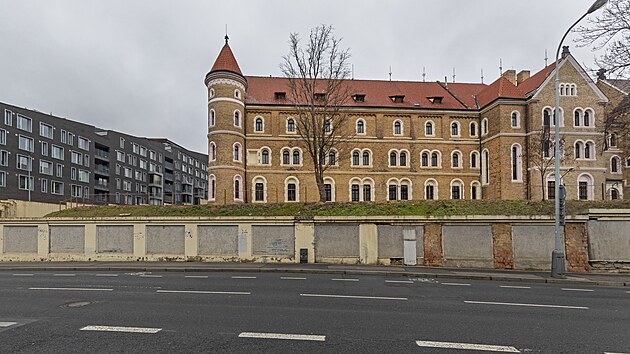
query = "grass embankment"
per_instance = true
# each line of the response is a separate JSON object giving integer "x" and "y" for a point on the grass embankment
{"x": 417, "y": 208}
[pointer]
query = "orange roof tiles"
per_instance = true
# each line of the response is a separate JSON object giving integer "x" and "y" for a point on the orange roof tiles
{"x": 226, "y": 61}
{"x": 537, "y": 79}
{"x": 500, "y": 88}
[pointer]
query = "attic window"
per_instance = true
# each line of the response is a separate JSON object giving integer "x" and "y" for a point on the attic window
{"x": 280, "y": 95}
{"x": 397, "y": 98}
{"x": 320, "y": 96}
{"x": 435, "y": 99}
{"x": 359, "y": 97}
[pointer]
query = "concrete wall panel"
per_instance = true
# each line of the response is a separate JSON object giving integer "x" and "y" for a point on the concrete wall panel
{"x": 165, "y": 239}
{"x": 273, "y": 240}
{"x": 467, "y": 246}
{"x": 608, "y": 240}
{"x": 533, "y": 245}
{"x": 67, "y": 239}
{"x": 390, "y": 241}
{"x": 220, "y": 240}
{"x": 20, "y": 239}
{"x": 114, "y": 239}
{"x": 337, "y": 240}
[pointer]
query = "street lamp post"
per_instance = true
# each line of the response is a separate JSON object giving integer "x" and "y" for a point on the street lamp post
{"x": 557, "y": 256}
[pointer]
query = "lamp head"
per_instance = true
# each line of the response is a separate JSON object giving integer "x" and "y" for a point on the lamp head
{"x": 596, "y": 6}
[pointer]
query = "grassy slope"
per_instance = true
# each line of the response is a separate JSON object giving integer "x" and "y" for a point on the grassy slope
{"x": 418, "y": 208}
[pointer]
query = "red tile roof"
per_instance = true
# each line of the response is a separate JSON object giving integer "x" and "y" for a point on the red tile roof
{"x": 261, "y": 90}
{"x": 537, "y": 79}
{"x": 226, "y": 61}
{"x": 500, "y": 88}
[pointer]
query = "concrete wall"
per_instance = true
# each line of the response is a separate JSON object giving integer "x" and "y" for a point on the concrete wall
{"x": 337, "y": 241}
{"x": 609, "y": 240}
{"x": 20, "y": 239}
{"x": 532, "y": 246}
{"x": 273, "y": 240}
{"x": 67, "y": 239}
{"x": 391, "y": 245}
{"x": 218, "y": 240}
{"x": 114, "y": 239}
{"x": 467, "y": 246}
{"x": 165, "y": 239}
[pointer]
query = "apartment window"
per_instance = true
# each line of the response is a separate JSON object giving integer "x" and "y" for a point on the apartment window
{"x": 44, "y": 148}
{"x": 120, "y": 156}
{"x": 143, "y": 164}
{"x": 23, "y": 162}
{"x": 56, "y": 152}
{"x": 3, "y": 137}
{"x": 3, "y": 179}
{"x": 24, "y": 123}
{"x": 43, "y": 185}
{"x": 8, "y": 117}
{"x": 127, "y": 186}
{"x": 83, "y": 143}
{"x": 127, "y": 172}
{"x": 4, "y": 158}
{"x": 76, "y": 191}
{"x": 45, "y": 130}
{"x": 152, "y": 155}
{"x": 70, "y": 139}
{"x": 64, "y": 136}
{"x": 25, "y": 143}
{"x": 121, "y": 143}
{"x": 56, "y": 188}
{"x": 135, "y": 148}
{"x": 45, "y": 167}
{"x": 25, "y": 182}
{"x": 73, "y": 173}
{"x": 76, "y": 157}
{"x": 59, "y": 170}
{"x": 84, "y": 176}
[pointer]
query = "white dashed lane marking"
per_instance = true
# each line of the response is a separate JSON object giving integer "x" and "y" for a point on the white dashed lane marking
{"x": 356, "y": 297}
{"x": 204, "y": 292}
{"x": 243, "y": 277}
{"x": 23, "y": 275}
{"x": 310, "y": 337}
{"x": 584, "y": 290}
{"x": 526, "y": 305}
{"x": 150, "y": 276}
{"x": 72, "y": 289}
{"x": 515, "y": 287}
{"x": 399, "y": 281}
{"x": 344, "y": 279}
{"x": 121, "y": 329}
{"x": 456, "y": 284}
{"x": 467, "y": 346}
{"x": 292, "y": 278}
{"x": 106, "y": 275}
{"x": 64, "y": 275}
{"x": 7, "y": 324}
{"x": 196, "y": 276}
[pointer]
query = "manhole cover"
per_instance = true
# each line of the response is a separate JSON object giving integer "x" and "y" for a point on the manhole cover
{"x": 77, "y": 304}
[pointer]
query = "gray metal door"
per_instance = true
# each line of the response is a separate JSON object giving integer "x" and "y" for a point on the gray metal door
{"x": 409, "y": 246}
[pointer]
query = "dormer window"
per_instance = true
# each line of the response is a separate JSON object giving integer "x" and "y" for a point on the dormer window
{"x": 397, "y": 98}
{"x": 320, "y": 96}
{"x": 435, "y": 99}
{"x": 280, "y": 95}
{"x": 359, "y": 97}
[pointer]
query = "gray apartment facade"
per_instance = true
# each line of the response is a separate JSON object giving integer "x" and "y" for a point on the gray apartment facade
{"x": 49, "y": 159}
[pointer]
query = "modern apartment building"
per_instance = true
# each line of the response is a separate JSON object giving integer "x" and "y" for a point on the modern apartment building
{"x": 50, "y": 159}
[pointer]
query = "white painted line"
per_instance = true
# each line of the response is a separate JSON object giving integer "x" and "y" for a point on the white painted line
{"x": 515, "y": 287}
{"x": 316, "y": 338}
{"x": 344, "y": 279}
{"x": 399, "y": 281}
{"x": 627, "y": 292}
{"x": 527, "y": 305}
{"x": 243, "y": 277}
{"x": 468, "y": 346}
{"x": 584, "y": 290}
{"x": 356, "y": 297}
{"x": 196, "y": 276}
{"x": 204, "y": 292}
{"x": 73, "y": 289}
{"x": 64, "y": 275}
{"x": 149, "y": 276}
{"x": 456, "y": 284}
{"x": 614, "y": 353}
{"x": 7, "y": 324}
{"x": 121, "y": 329}
{"x": 22, "y": 275}
{"x": 292, "y": 278}
{"x": 106, "y": 275}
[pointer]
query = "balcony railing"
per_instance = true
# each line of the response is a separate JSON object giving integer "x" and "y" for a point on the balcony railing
{"x": 103, "y": 155}
{"x": 101, "y": 169}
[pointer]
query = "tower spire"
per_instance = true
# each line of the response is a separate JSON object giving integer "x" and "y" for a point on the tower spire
{"x": 226, "y": 35}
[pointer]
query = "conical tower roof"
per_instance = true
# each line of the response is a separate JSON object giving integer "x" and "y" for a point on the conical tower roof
{"x": 226, "y": 61}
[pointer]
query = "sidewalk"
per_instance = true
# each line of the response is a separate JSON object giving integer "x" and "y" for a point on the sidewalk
{"x": 617, "y": 280}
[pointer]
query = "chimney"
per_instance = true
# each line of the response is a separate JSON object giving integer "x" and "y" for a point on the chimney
{"x": 510, "y": 75}
{"x": 522, "y": 76}
{"x": 565, "y": 51}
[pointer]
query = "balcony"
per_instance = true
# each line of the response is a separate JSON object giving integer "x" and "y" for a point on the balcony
{"x": 101, "y": 154}
{"x": 168, "y": 176}
{"x": 102, "y": 185}
{"x": 101, "y": 170}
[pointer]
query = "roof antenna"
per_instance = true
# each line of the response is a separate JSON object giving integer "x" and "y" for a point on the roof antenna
{"x": 546, "y": 58}
{"x": 226, "y": 35}
{"x": 482, "y": 76}
{"x": 500, "y": 67}
{"x": 424, "y": 74}
{"x": 390, "y": 73}
{"x": 453, "y": 74}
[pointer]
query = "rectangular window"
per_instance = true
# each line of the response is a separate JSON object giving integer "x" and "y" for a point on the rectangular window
{"x": 393, "y": 191}
{"x": 23, "y": 162}
{"x": 44, "y": 185}
{"x": 404, "y": 192}
{"x": 76, "y": 157}
{"x": 86, "y": 160}
{"x": 70, "y": 138}
{"x": 122, "y": 143}
{"x": 45, "y": 167}
{"x": 8, "y": 117}
{"x": 25, "y": 143}
{"x": 56, "y": 187}
{"x": 367, "y": 193}
{"x": 135, "y": 161}
{"x": 583, "y": 190}
{"x": 76, "y": 191}
{"x": 355, "y": 193}
{"x": 117, "y": 169}
{"x": 24, "y": 123}
{"x": 59, "y": 170}
{"x": 328, "y": 192}
{"x": 56, "y": 152}
{"x": 127, "y": 186}
{"x": 73, "y": 173}
{"x": 152, "y": 155}
{"x": 135, "y": 147}
{"x": 260, "y": 192}
{"x": 25, "y": 182}
{"x": 118, "y": 184}
{"x": 127, "y": 172}
{"x": 45, "y": 130}
{"x": 83, "y": 143}
{"x": 64, "y": 136}
{"x": 291, "y": 193}
{"x": 3, "y": 137}
{"x": 455, "y": 192}
{"x": 4, "y": 158}
{"x": 44, "y": 148}
{"x": 551, "y": 190}
{"x": 143, "y": 164}
{"x": 84, "y": 176}
{"x": 3, "y": 179}
{"x": 143, "y": 151}
{"x": 120, "y": 156}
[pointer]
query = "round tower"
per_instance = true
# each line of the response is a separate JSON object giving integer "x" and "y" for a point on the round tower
{"x": 226, "y": 130}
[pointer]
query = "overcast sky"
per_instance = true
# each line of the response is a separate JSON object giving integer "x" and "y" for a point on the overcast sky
{"x": 138, "y": 66}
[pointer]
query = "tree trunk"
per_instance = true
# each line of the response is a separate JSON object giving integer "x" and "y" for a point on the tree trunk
{"x": 320, "y": 187}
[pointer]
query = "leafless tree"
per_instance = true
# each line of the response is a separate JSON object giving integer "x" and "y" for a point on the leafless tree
{"x": 541, "y": 154}
{"x": 610, "y": 31}
{"x": 317, "y": 75}
{"x": 616, "y": 132}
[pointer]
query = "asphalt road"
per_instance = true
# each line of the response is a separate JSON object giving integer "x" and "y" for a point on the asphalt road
{"x": 47, "y": 312}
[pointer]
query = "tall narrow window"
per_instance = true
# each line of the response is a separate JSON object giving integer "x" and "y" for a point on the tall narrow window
{"x": 355, "y": 192}
{"x": 264, "y": 157}
{"x": 332, "y": 158}
{"x": 259, "y": 124}
{"x": 455, "y": 192}
{"x": 367, "y": 192}
{"x": 403, "y": 158}
{"x": 392, "y": 158}
{"x": 397, "y": 128}
{"x": 290, "y": 125}
{"x": 587, "y": 118}
{"x": 514, "y": 163}
{"x": 404, "y": 192}
{"x": 576, "y": 118}
{"x": 434, "y": 159}
{"x": 366, "y": 158}
{"x": 486, "y": 166}
{"x": 578, "y": 148}
{"x": 328, "y": 192}
{"x": 286, "y": 157}
{"x": 454, "y": 129}
{"x": 360, "y": 126}
{"x": 473, "y": 129}
{"x": 428, "y": 128}
{"x": 455, "y": 158}
{"x": 291, "y": 192}
{"x": 212, "y": 122}
{"x": 296, "y": 157}
{"x": 425, "y": 159}
{"x": 515, "y": 120}
{"x": 547, "y": 117}
{"x": 473, "y": 160}
{"x": 237, "y": 119}
{"x": 355, "y": 158}
{"x": 259, "y": 194}
{"x": 583, "y": 190}
{"x": 393, "y": 192}
{"x": 237, "y": 189}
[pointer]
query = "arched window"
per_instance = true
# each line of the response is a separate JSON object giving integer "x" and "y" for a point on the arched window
{"x": 430, "y": 189}
{"x": 517, "y": 163}
{"x": 237, "y": 93}
{"x": 615, "y": 164}
{"x": 366, "y": 158}
{"x": 286, "y": 157}
{"x": 367, "y": 190}
{"x": 361, "y": 190}
{"x": 213, "y": 187}
{"x": 332, "y": 157}
{"x": 393, "y": 159}
{"x": 474, "y": 156}
{"x": 613, "y": 140}
{"x": 329, "y": 189}
{"x": 578, "y": 149}
{"x": 457, "y": 189}
{"x": 484, "y": 126}
{"x": 296, "y": 157}
{"x": 260, "y": 189}
{"x": 259, "y": 126}
{"x": 516, "y": 121}
{"x": 355, "y": 158}
{"x": 455, "y": 159}
{"x": 573, "y": 90}
{"x": 290, "y": 125}
{"x": 425, "y": 159}
{"x": 327, "y": 125}
{"x": 237, "y": 119}
{"x": 434, "y": 159}
{"x": 354, "y": 191}
{"x": 211, "y": 93}
{"x": 614, "y": 194}
{"x": 428, "y": 128}
{"x": 486, "y": 167}
{"x": 473, "y": 129}
{"x": 212, "y": 119}
{"x": 403, "y": 159}
{"x": 397, "y": 127}
{"x": 589, "y": 150}
{"x": 587, "y": 118}
{"x": 585, "y": 187}
{"x": 454, "y": 129}
{"x": 264, "y": 157}
{"x": 360, "y": 126}
{"x": 213, "y": 151}
{"x": 475, "y": 190}
{"x": 237, "y": 152}
{"x": 291, "y": 190}
{"x": 561, "y": 88}
{"x": 392, "y": 189}
{"x": 405, "y": 189}
{"x": 577, "y": 117}
{"x": 238, "y": 185}
{"x": 547, "y": 117}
